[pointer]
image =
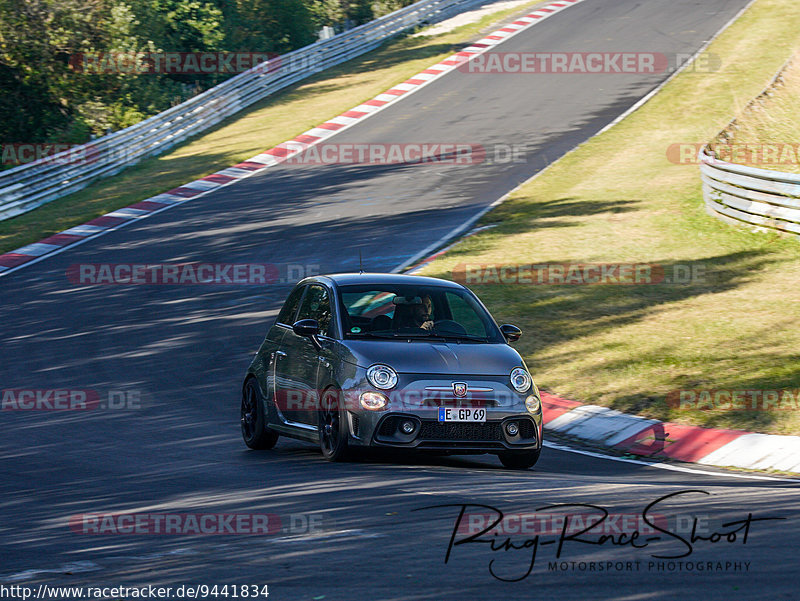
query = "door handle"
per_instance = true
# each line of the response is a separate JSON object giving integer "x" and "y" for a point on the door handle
{"x": 280, "y": 354}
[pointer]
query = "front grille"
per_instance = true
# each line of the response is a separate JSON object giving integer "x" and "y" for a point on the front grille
{"x": 355, "y": 424}
{"x": 388, "y": 426}
{"x": 487, "y": 431}
{"x": 527, "y": 429}
{"x": 436, "y": 403}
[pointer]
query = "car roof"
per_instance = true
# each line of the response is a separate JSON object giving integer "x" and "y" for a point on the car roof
{"x": 346, "y": 279}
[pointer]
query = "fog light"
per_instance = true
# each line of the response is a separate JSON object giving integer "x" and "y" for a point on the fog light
{"x": 512, "y": 428}
{"x": 532, "y": 404}
{"x": 407, "y": 427}
{"x": 373, "y": 401}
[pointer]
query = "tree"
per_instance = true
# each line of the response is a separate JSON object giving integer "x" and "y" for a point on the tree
{"x": 268, "y": 25}
{"x": 56, "y": 87}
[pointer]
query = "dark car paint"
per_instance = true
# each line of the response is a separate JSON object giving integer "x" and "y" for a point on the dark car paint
{"x": 437, "y": 357}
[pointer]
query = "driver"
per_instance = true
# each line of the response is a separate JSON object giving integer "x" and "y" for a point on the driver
{"x": 423, "y": 312}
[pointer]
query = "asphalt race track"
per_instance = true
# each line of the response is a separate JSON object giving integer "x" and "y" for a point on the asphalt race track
{"x": 356, "y": 530}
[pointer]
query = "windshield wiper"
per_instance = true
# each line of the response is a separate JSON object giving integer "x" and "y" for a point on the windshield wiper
{"x": 371, "y": 334}
{"x": 461, "y": 337}
{"x": 416, "y": 336}
{"x": 443, "y": 336}
{"x": 389, "y": 335}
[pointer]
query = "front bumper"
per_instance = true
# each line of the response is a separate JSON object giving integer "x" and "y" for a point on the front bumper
{"x": 428, "y": 434}
{"x": 415, "y": 401}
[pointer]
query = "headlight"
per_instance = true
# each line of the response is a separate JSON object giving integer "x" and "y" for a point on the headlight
{"x": 532, "y": 404}
{"x": 382, "y": 377}
{"x": 520, "y": 379}
{"x": 373, "y": 401}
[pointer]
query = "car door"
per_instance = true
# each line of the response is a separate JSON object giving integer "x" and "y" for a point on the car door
{"x": 276, "y": 370}
{"x": 298, "y": 369}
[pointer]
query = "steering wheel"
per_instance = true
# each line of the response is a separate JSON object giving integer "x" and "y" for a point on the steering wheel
{"x": 449, "y": 326}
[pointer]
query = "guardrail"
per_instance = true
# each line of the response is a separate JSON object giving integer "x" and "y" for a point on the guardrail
{"x": 765, "y": 199}
{"x": 28, "y": 186}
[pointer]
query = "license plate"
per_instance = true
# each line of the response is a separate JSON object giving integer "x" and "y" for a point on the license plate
{"x": 447, "y": 414}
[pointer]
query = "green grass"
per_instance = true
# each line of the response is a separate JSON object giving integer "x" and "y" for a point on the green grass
{"x": 618, "y": 199}
{"x": 274, "y": 120}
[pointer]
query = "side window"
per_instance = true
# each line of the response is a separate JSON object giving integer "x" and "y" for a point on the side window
{"x": 286, "y": 316}
{"x": 317, "y": 305}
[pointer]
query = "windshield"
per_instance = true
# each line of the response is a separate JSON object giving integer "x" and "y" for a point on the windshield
{"x": 412, "y": 311}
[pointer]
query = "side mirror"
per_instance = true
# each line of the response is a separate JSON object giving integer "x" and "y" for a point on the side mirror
{"x": 512, "y": 333}
{"x": 309, "y": 328}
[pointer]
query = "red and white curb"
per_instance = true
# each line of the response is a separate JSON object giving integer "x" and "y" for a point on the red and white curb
{"x": 33, "y": 253}
{"x": 654, "y": 439}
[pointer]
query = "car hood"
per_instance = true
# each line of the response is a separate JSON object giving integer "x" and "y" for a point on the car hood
{"x": 434, "y": 357}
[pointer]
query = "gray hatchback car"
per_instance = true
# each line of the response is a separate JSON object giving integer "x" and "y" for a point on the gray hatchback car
{"x": 396, "y": 361}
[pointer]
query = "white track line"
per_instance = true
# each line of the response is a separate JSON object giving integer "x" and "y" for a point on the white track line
{"x": 458, "y": 230}
{"x": 666, "y": 466}
{"x": 658, "y": 88}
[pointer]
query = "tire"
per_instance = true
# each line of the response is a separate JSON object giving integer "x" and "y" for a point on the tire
{"x": 519, "y": 460}
{"x": 332, "y": 427}
{"x": 255, "y": 431}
